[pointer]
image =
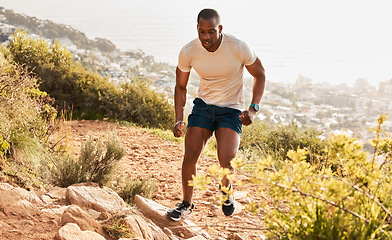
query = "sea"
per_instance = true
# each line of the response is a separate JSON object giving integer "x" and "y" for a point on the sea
{"x": 331, "y": 42}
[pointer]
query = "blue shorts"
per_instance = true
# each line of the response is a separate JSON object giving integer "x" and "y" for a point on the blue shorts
{"x": 213, "y": 117}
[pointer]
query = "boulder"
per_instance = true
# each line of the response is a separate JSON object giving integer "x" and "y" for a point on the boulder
{"x": 12, "y": 202}
{"x": 55, "y": 194}
{"x": 157, "y": 214}
{"x": 5, "y": 186}
{"x": 74, "y": 214}
{"x": 132, "y": 223}
{"x": 138, "y": 225}
{"x": 71, "y": 231}
{"x": 100, "y": 199}
{"x": 28, "y": 196}
{"x": 170, "y": 234}
{"x": 157, "y": 232}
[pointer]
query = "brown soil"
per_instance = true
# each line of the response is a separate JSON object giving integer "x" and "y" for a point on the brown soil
{"x": 147, "y": 155}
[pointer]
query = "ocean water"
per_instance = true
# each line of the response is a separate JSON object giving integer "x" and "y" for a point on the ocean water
{"x": 327, "y": 41}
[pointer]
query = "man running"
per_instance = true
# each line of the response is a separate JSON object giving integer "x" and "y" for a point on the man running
{"x": 219, "y": 60}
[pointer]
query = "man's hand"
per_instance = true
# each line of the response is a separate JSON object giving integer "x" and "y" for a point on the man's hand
{"x": 177, "y": 129}
{"x": 247, "y": 117}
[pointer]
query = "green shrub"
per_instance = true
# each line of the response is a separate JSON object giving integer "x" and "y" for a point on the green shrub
{"x": 142, "y": 105}
{"x": 132, "y": 187}
{"x": 346, "y": 196}
{"x": 117, "y": 229}
{"x": 96, "y": 163}
{"x": 277, "y": 140}
{"x": 23, "y": 107}
{"x": 85, "y": 93}
{"x": 26, "y": 118}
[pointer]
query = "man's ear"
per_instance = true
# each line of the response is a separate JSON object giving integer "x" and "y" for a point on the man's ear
{"x": 220, "y": 28}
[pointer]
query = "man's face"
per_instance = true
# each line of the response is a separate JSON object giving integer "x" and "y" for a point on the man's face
{"x": 209, "y": 33}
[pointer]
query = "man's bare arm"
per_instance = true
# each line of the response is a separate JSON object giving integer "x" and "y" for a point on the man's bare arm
{"x": 180, "y": 91}
{"x": 257, "y": 71}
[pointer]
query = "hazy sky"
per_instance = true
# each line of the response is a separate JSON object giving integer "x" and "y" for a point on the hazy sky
{"x": 328, "y": 41}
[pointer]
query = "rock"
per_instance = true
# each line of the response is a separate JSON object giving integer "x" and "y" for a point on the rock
{"x": 94, "y": 214}
{"x": 5, "y": 187}
{"x": 4, "y": 225}
{"x": 39, "y": 193}
{"x": 28, "y": 196}
{"x": 50, "y": 216}
{"x": 170, "y": 234}
{"x": 53, "y": 212}
{"x": 103, "y": 216}
{"x": 100, "y": 199}
{"x": 124, "y": 212}
{"x": 197, "y": 238}
{"x": 57, "y": 193}
{"x": 74, "y": 214}
{"x": 242, "y": 197}
{"x": 157, "y": 213}
{"x": 140, "y": 226}
{"x": 157, "y": 232}
{"x": 12, "y": 203}
{"x": 132, "y": 223}
{"x": 71, "y": 231}
{"x": 159, "y": 197}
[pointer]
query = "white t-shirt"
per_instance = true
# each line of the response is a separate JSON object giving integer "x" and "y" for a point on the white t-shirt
{"x": 220, "y": 72}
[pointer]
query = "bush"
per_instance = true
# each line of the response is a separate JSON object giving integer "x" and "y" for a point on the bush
{"x": 347, "y": 196}
{"x": 117, "y": 229}
{"x": 142, "y": 105}
{"x": 144, "y": 187}
{"x": 96, "y": 163}
{"x": 277, "y": 140}
{"x": 23, "y": 107}
{"x": 26, "y": 118}
{"x": 87, "y": 94}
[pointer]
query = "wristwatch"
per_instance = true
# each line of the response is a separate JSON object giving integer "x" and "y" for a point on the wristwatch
{"x": 255, "y": 106}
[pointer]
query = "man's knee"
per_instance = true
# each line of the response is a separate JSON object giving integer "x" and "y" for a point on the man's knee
{"x": 190, "y": 158}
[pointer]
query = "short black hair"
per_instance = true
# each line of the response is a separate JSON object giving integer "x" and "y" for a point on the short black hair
{"x": 208, "y": 14}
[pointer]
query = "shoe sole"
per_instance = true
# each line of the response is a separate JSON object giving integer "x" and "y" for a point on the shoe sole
{"x": 235, "y": 207}
{"x": 178, "y": 219}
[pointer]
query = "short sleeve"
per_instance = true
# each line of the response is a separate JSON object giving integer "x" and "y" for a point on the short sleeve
{"x": 249, "y": 56}
{"x": 183, "y": 60}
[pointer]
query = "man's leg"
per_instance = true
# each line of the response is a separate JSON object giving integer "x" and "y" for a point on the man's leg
{"x": 195, "y": 140}
{"x": 228, "y": 142}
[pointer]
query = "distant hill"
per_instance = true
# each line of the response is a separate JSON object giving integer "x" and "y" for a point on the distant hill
{"x": 51, "y": 30}
{"x": 99, "y": 55}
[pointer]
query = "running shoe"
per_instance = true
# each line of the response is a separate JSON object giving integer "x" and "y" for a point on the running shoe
{"x": 229, "y": 205}
{"x": 182, "y": 210}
